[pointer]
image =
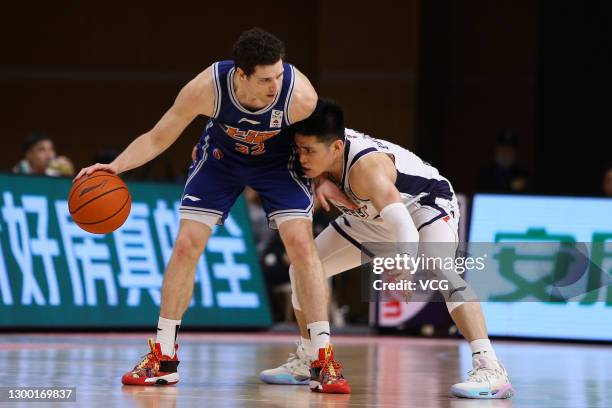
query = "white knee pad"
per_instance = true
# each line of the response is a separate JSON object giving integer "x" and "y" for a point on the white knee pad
{"x": 294, "y": 299}
{"x": 458, "y": 292}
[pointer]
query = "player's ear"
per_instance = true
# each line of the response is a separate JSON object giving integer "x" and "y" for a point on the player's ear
{"x": 241, "y": 73}
{"x": 338, "y": 145}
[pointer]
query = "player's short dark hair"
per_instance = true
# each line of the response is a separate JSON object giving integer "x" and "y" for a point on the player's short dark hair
{"x": 257, "y": 47}
{"x": 326, "y": 122}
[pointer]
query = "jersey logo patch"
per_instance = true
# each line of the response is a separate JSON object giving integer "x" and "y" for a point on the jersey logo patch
{"x": 252, "y": 122}
{"x": 190, "y": 197}
{"x": 276, "y": 120}
{"x": 252, "y": 141}
{"x": 358, "y": 213}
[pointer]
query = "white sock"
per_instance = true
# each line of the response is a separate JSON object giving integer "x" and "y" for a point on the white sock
{"x": 167, "y": 330}
{"x": 483, "y": 346}
{"x": 307, "y": 344}
{"x": 319, "y": 336}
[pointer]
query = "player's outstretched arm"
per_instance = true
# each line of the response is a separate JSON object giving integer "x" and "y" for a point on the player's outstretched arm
{"x": 373, "y": 178}
{"x": 197, "y": 97}
{"x": 304, "y": 98}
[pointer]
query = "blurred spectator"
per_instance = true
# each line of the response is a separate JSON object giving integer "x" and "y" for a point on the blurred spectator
{"x": 41, "y": 159}
{"x": 504, "y": 175}
{"x": 606, "y": 182}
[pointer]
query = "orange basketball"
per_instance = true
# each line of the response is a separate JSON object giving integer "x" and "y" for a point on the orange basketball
{"x": 99, "y": 203}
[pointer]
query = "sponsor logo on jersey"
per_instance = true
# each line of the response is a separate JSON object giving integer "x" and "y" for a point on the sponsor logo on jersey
{"x": 276, "y": 120}
{"x": 358, "y": 213}
{"x": 251, "y": 141}
{"x": 250, "y": 136}
{"x": 252, "y": 122}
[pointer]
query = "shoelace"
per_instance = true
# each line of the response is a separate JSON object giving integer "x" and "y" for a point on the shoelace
{"x": 294, "y": 358}
{"x": 482, "y": 374}
{"x": 146, "y": 359}
{"x": 337, "y": 368}
{"x": 291, "y": 360}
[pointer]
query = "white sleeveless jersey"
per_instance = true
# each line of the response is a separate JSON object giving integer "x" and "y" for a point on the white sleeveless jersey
{"x": 416, "y": 179}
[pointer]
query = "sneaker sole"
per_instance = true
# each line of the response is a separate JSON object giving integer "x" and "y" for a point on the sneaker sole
{"x": 505, "y": 391}
{"x": 283, "y": 379}
{"x": 316, "y": 386}
{"x": 168, "y": 379}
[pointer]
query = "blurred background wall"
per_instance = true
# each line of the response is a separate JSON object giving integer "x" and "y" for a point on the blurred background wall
{"x": 440, "y": 77}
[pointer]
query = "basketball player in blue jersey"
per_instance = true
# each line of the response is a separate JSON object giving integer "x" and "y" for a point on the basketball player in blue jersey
{"x": 249, "y": 101}
{"x": 400, "y": 199}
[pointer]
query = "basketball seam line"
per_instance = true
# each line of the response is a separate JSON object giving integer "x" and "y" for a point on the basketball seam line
{"x": 109, "y": 217}
{"x": 95, "y": 198}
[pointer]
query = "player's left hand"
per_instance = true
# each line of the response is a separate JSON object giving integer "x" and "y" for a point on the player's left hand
{"x": 326, "y": 190}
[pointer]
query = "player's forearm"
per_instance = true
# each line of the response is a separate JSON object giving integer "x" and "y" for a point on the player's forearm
{"x": 394, "y": 213}
{"x": 398, "y": 219}
{"x": 142, "y": 150}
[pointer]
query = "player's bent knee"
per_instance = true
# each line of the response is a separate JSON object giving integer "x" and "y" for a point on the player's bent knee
{"x": 457, "y": 295}
{"x": 186, "y": 248}
{"x": 189, "y": 244}
{"x": 300, "y": 248}
{"x": 296, "y": 233}
{"x": 299, "y": 240}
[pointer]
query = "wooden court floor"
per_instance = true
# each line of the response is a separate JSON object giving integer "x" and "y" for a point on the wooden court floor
{"x": 221, "y": 370}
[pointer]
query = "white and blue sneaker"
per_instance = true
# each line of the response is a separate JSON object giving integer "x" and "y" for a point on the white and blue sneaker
{"x": 487, "y": 379}
{"x": 296, "y": 371}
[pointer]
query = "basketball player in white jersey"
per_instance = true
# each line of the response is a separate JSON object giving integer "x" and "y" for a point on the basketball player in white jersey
{"x": 400, "y": 199}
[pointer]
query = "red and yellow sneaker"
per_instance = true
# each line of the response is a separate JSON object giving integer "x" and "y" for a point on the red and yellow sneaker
{"x": 154, "y": 369}
{"x": 326, "y": 374}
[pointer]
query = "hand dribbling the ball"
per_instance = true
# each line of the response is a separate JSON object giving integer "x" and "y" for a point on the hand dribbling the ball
{"x": 86, "y": 171}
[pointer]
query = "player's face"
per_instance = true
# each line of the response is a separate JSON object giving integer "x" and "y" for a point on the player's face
{"x": 40, "y": 155}
{"x": 266, "y": 82}
{"x": 316, "y": 157}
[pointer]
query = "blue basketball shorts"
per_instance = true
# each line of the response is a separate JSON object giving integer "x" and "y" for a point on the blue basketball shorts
{"x": 215, "y": 180}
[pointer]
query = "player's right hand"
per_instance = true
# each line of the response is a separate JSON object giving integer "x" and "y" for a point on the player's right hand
{"x": 86, "y": 171}
{"x": 326, "y": 190}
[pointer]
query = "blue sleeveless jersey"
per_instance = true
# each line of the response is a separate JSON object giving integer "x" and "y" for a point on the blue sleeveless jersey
{"x": 242, "y": 148}
{"x": 245, "y": 135}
